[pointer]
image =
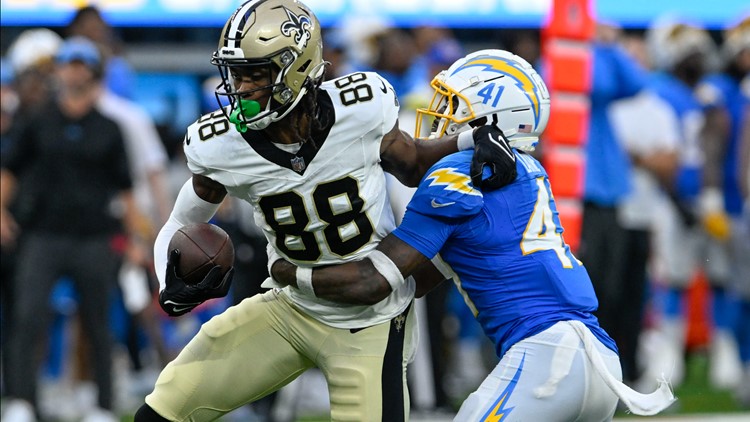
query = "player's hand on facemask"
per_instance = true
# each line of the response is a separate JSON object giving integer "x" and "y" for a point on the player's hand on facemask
{"x": 491, "y": 149}
{"x": 179, "y": 298}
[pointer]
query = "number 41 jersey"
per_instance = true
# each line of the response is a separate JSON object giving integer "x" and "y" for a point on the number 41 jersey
{"x": 505, "y": 247}
{"x": 322, "y": 204}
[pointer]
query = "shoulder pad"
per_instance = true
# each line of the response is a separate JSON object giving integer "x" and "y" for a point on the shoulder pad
{"x": 203, "y": 141}
{"x": 446, "y": 191}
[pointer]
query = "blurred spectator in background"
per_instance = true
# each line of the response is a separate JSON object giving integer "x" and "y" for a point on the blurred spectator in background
{"x": 525, "y": 44}
{"x": 118, "y": 74}
{"x": 653, "y": 154}
{"x": 615, "y": 75}
{"x": 358, "y": 37}
{"x": 334, "y": 52}
{"x": 76, "y": 170}
{"x": 396, "y": 60}
{"x": 8, "y": 107}
{"x": 26, "y": 87}
{"x": 722, "y": 94}
{"x": 692, "y": 231}
{"x": 31, "y": 58}
{"x": 148, "y": 162}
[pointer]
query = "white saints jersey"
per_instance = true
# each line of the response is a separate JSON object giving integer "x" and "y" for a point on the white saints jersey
{"x": 324, "y": 204}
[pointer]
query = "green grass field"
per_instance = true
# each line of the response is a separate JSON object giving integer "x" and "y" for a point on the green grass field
{"x": 695, "y": 396}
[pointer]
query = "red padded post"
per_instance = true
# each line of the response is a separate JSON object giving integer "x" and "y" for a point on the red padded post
{"x": 566, "y": 63}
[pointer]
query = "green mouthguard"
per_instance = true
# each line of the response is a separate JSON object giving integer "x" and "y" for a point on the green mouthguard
{"x": 248, "y": 109}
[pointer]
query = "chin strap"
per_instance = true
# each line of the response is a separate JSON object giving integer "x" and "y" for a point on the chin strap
{"x": 246, "y": 109}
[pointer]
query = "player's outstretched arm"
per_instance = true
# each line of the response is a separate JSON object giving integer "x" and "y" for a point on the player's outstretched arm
{"x": 409, "y": 159}
{"x": 364, "y": 282}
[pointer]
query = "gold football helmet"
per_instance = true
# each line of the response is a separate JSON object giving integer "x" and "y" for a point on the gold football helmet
{"x": 285, "y": 37}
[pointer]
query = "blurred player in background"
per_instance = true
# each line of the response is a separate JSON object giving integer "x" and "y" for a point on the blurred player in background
{"x": 694, "y": 229}
{"x": 653, "y": 157}
{"x": 505, "y": 251}
{"x": 309, "y": 157}
{"x": 723, "y": 93}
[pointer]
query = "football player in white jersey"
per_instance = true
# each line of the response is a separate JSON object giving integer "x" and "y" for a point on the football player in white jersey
{"x": 309, "y": 157}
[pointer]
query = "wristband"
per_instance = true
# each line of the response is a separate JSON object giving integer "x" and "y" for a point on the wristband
{"x": 465, "y": 140}
{"x": 387, "y": 269}
{"x": 304, "y": 280}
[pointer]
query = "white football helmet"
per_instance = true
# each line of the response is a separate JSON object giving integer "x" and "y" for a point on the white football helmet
{"x": 670, "y": 40}
{"x": 489, "y": 87}
{"x": 283, "y": 35}
{"x": 736, "y": 40}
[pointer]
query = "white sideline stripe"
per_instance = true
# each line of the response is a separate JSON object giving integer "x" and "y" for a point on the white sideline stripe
{"x": 417, "y": 416}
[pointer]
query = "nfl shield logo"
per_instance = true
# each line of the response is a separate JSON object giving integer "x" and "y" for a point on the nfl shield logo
{"x": 298, "y": 164}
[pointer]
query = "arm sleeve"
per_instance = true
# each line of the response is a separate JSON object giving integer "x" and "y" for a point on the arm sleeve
{"x": 188, "y": 208}
{"x": 389, "y": 102}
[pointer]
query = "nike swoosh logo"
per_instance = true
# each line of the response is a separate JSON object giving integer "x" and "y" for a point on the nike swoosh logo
{"x": 179, "y": 307}
{"x": 383, "y": 88}
{"x": 502, "y": 147}
{"x": 436, "y": 204}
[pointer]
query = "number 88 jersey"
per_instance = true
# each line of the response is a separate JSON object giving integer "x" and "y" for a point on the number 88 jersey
{"x": 322, "y": 204}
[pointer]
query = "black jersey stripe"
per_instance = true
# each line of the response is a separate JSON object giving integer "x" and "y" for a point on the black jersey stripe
{"x": 392, "y": 375}
{"x": 258, "y": 140}
{"x": 237, "y": 23}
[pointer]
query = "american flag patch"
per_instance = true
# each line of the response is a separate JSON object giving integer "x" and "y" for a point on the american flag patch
{"x": 524, "y": 128}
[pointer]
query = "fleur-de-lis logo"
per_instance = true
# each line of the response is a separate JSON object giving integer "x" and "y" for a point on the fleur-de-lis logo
{"x": 400, "y": 322}
{"x": 299, "y": 26}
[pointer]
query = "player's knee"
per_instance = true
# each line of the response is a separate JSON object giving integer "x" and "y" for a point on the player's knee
{"x": 147, "y": 414}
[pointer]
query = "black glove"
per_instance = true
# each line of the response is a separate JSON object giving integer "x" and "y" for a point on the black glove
{"x": 178, "y": 298}
{"x": 491, "y": 149}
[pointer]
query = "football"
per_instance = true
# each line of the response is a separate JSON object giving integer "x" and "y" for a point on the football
{"x": 202, "y": 246}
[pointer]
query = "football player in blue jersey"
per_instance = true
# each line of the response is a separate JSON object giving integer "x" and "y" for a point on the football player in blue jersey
{"x": 694, "y": 229}
{"x": 505, "y": 251}
{"x": 727, "y": 93}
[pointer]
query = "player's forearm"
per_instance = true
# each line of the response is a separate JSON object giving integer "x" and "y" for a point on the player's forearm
{"x": 430, "y": 151}
{"x": 357, "y": 283}
{"x": 410, "y": 164}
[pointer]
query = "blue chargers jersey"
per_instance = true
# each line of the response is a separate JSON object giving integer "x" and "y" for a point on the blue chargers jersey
{"x": 721, "y": 90}
{"x": 690, "y": 116}
{"x": 505, "y": 247}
